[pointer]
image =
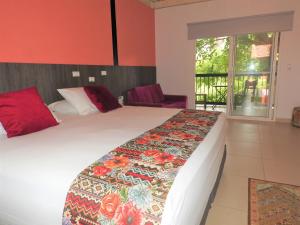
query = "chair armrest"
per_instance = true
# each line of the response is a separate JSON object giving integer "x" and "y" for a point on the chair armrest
{"x": 144, "y": 104}
{"x": 175, "y": 97}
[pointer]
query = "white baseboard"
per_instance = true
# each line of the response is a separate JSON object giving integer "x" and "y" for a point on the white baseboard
{"x": 283, "y": 120}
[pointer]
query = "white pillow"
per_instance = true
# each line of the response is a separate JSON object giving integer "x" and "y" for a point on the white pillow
{"x": 79, "y": 100}
{"x": 55, "y": 117}
{"x": 3, "y": 134}
{"x": 62, "y": 107}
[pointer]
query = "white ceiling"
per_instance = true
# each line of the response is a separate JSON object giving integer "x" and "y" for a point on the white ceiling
{"x": 156, "y": 4}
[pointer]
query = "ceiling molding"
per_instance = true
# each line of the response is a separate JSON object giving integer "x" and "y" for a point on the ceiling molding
{"x": 158, "y": 4}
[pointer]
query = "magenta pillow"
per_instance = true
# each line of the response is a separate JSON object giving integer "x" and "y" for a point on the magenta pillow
{"x": 102, "y": 98}
{"x": 24, "y": 112}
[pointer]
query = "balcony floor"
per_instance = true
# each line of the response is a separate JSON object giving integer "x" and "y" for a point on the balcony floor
{"x": 220, "y": 108}
{"x": 251, "y": 108}
{"x": 247, "y": 108}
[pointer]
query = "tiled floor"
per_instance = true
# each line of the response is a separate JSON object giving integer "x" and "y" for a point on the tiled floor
{"x": 264, "y": 150}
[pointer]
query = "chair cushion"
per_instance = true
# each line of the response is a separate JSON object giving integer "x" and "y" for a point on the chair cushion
{"x": 156, "y": 98}
{"x": 159, "y": 95}
{"x": 144, "y": 94}
{"x": 177, "y": 104}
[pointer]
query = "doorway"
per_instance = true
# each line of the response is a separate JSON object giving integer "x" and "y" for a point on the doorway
{"x": 211, "y": 80}
{"x": 237, "y": 74}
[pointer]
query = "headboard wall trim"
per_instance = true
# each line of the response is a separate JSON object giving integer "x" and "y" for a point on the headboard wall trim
{"x": 49, "y": 77}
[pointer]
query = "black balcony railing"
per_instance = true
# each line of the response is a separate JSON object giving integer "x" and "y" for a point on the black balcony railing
{"x": 211, "y": 89}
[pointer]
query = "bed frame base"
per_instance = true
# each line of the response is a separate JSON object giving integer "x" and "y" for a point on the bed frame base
{"x": 214, "y": 190}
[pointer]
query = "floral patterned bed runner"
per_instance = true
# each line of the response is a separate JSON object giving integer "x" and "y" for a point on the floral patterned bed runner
{"x": 129, "y": 185}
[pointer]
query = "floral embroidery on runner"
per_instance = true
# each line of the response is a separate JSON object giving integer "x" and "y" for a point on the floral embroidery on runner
{"x": 129, "y": 185}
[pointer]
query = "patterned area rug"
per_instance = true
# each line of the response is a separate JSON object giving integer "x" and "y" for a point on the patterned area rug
{"x": 273, "y": 203}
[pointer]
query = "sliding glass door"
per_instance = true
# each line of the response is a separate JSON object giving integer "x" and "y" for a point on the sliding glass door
{"x": 252, "y": 74}
{"x": 237, "y": 74}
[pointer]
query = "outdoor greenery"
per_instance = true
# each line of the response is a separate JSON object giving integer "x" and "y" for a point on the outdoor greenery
{"x": 245, "y": 63}
{"x": 212, "y": 54}
{"x": 212, "y": 57}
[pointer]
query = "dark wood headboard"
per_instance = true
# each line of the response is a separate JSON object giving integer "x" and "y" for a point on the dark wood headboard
{"x": 49, "y": 77}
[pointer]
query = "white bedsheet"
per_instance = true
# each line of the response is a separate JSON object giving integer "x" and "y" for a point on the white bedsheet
{"x": 36, "y": 170}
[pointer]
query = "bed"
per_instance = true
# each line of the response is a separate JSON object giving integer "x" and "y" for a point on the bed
{"x": 36, "y": 170}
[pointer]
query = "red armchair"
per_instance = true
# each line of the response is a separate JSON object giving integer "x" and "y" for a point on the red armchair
{"x": 153, "y": 96}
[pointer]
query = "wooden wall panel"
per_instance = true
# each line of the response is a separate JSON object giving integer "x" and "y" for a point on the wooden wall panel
{"x": 49, "y": 77}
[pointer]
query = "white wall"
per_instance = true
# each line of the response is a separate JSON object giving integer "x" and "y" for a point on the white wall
{"x": 175, "y": 53}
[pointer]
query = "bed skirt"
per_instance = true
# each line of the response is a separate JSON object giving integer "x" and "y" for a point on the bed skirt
{"x": 215, "y": 188}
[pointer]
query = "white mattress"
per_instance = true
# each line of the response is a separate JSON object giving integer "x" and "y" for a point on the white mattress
{"x": 36, "y": 170}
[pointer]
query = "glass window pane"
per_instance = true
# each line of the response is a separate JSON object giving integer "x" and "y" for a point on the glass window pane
{"x": 253, "y": 53}
{"x": 252, "y": 77}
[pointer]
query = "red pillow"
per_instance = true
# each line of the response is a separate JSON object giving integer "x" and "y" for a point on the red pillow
{"x": 102, "y": 98}
{"x": 23, "y": 112}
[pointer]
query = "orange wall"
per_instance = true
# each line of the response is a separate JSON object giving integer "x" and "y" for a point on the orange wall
{"x": 136, "y": 33}
{"x": 75, "y": 32}
{"x": 56, "y": 31}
